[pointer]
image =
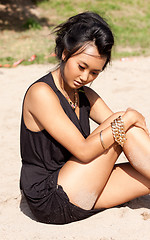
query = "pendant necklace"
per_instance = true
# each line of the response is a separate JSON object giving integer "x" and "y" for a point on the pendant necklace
{"x": 73, "y": 105}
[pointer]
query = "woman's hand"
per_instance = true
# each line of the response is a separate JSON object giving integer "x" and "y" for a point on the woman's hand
{"x": 134, "y": 118}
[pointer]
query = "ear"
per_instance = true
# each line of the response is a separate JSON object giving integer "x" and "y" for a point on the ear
{"x": 64, "y": 55}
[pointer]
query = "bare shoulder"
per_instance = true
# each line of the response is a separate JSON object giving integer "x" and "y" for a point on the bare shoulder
{"x": 91, "y": 95}
{"x": 99, "y": 110}
{"x": 40, "y": 92}
{"x": 40, "y": 88}
{"x": 89, "y": 91}
{"x": 39, "y": 99}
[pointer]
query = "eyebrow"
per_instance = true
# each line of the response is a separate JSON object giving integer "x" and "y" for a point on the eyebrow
{"x": 96, "y": 70}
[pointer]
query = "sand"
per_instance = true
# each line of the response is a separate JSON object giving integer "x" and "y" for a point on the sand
{"x": 126, "y": 83}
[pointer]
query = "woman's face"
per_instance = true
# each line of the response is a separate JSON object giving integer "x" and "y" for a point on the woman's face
{"x": 83, "y": 68}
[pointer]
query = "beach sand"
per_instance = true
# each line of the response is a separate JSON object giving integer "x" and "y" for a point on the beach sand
{"x": 125, "y": 83}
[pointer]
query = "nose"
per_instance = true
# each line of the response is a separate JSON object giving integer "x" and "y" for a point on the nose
{"x": 84, "y": 76}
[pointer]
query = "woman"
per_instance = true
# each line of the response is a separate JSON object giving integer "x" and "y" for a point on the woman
{"x": 67, "y": 173}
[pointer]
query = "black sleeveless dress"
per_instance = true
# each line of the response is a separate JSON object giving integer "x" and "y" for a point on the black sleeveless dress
{"x": 42, "y": 158}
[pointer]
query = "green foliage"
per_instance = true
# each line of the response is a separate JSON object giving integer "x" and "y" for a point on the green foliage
{"x": 31, "y": 23}
{"x": 129, "y": 20}
{"x": 7, "y": 60}
{"x": 40, "y": 59}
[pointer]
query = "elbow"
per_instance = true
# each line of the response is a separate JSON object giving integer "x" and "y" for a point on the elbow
{"x": 84, "y": 156}
{"x": 87, "y": 151}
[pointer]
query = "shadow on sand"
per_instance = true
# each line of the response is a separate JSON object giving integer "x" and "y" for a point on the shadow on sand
{"x": 141, "y": 202}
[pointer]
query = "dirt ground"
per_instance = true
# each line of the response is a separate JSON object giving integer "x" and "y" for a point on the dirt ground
{"x": 14, "y": 13}
{"x": 125, "y": 83}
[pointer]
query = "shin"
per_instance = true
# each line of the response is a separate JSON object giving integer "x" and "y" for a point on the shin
{"x": 137, "y": 150}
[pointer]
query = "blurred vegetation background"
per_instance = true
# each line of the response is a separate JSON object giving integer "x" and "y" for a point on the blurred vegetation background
{"x": 26, "y": 26}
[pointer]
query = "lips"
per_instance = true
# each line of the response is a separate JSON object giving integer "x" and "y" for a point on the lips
{"x": 76, "y": 83}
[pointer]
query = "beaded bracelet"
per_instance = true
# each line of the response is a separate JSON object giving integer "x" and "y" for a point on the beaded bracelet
{"x": 118, "y": 131}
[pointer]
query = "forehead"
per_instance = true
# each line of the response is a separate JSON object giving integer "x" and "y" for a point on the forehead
{"x": 91, "y": 57}
{"x": 91, "y": 49}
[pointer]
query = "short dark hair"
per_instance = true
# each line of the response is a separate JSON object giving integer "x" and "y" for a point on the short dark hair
{"x": 81, "y": 29}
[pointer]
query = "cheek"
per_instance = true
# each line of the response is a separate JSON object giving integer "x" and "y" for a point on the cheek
{"x": 92, "y": 78}
{"x": 71, "y": 69}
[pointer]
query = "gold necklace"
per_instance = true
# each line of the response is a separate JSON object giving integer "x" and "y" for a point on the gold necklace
{"x": 73, "y": 105}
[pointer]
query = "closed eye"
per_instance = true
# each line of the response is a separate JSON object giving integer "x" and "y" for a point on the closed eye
{"x": 81, "y": 67}
{"x": 95, "y": 73}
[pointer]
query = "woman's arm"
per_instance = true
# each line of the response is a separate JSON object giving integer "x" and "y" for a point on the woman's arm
{"x": 43, "y": 104}
{"x": 100, "y": 112}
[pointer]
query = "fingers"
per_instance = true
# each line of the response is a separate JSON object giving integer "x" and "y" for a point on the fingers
{"x": 145, "y": 126}
{"x": 140, "y": 120}
{"x": 146, "y": 130}
{"x": 142, "y": 124}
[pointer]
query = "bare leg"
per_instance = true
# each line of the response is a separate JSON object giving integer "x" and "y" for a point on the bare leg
{"x": 124, "y": 184}
{"x": 137, "y": 150}
{"x": 84, "y": 182}
{"x": 88, "y": 184}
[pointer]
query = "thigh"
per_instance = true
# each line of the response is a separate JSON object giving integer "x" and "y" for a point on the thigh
{"x": 83, "y": 183}
{"x": 124, "y": 184}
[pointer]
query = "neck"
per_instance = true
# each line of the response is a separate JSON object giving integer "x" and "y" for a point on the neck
{"x": 62, "y": 84}
{"x": 70, "y": 94}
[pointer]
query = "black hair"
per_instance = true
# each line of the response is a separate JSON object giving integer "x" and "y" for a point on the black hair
{"x": 80, "y": 30}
